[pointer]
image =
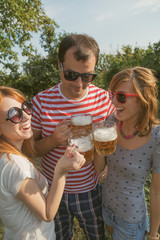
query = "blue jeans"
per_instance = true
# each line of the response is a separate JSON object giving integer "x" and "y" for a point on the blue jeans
{"x": 124, "y": 230}
{"x": 87, "y": 208}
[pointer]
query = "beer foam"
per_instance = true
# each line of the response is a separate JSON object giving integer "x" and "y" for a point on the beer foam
{"x": 84, "y": 144}
{"x": 105, "y": 134}
{"x": 81, "y": 120}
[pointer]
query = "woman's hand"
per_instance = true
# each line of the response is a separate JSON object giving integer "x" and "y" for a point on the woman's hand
{"x": 71, "y": 160}
{"x": 102, "y": 176}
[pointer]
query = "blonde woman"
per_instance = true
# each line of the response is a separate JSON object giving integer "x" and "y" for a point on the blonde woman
{"x": 134, "y": 93}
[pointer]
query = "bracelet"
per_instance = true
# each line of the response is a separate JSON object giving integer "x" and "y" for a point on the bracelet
{"x": 153, "y": 238}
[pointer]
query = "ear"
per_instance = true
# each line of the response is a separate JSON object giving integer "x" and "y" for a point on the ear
{"x": 1, "y": 130}
{"x": 59, "y": 64}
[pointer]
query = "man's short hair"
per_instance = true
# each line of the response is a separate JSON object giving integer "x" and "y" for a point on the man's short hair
{"x": 84, "y": 46}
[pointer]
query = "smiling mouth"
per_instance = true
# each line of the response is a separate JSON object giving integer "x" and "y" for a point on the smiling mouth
{"x": 119, "y": 109}
{"x": 27, "y": 127}
{"x": 77, "y": 89}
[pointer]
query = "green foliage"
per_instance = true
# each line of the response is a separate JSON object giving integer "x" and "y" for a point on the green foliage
{"x": 19, "y": 20}
{"x": 147, "y": 190}
{"x": 40, "y": 74}
{"x": 1, "y": 230}
{"x": 128, "y": 57}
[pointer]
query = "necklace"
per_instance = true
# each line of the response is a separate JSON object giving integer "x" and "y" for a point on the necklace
{"x": 127, "y": 136}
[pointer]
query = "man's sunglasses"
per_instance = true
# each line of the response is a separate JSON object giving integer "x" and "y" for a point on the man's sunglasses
{"x": 120, "y": 96}
{"x": 15, "y": 114}
{"x": 70, "y": 75}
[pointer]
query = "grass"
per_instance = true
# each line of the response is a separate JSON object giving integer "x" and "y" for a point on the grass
{"x": 1, "y": 230}
{"x": 78, "y": 232}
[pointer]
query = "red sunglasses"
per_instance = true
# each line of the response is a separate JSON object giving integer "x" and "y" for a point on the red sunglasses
{"x": 121, "y": 96}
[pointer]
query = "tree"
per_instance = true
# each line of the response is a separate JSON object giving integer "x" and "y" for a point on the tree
{"x": 42, "y": 72}
{"x": 151, "y": 58}
{"x": 129, "y": 57}
{"x": 19, "y": 19}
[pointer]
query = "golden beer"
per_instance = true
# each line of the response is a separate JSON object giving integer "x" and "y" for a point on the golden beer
{"x": 105, "y": 138}
{"x": 81, "y": 121}
{"x": 89, "y": 155}
{"x": 83, "y": 142}
{"x": 105, "y": 148}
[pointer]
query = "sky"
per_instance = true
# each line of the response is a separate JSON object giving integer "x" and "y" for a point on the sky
{"x": 113, "y": 23}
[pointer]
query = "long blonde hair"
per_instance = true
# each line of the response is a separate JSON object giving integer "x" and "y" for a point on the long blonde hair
{"x": 5, "y": 147}
{"x": 145, "y": 85}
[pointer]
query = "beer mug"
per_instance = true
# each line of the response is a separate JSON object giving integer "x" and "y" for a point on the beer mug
{"x": 83, "y": 141}
{"x": 105, "y": 137}
{"x": 81, "y": 121}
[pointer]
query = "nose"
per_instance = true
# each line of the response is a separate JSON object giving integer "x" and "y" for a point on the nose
{"x": 114, "y": 100}
{"x": 26, "y": 117}
{"x": 79, "y": 81}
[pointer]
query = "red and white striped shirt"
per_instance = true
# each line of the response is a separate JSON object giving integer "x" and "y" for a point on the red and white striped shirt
{"x": 51, "y": 107}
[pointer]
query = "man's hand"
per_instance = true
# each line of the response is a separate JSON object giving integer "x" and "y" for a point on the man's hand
{"x": 62, "y": 132}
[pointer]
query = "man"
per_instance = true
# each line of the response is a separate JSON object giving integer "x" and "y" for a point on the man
{"x": 77, "y": 59}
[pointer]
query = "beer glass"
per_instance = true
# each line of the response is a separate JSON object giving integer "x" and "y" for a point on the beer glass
{"x": 105, "y": 137}
{"x": 83, "y": 141}
{"x": 81, "y": 121}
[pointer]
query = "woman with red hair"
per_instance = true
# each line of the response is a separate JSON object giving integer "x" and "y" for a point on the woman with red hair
{"x": 26, "y": 207}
